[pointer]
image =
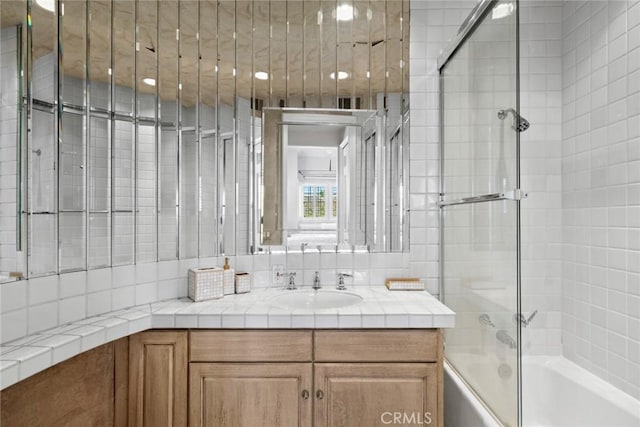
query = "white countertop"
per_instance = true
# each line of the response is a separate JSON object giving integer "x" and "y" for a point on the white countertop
{"x": 379, "y": 308}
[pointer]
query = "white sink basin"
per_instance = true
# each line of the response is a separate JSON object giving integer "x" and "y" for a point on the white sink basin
{"x": 314, "y": 300}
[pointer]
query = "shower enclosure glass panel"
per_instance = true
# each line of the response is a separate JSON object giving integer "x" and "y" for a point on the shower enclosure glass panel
{"x": 479, "y": 208}
{"x": 480, "y": 82}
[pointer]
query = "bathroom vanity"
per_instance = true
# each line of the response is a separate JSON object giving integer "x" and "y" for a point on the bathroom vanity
{"x": 333, "y": 377}
{"x": 252, "y": 377}
{"x": 228, "y": 362}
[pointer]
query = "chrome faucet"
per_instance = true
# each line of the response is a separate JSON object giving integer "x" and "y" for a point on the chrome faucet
{"x": 519, "y": 318}
{"x": 316, "y": 281}
{"x": 291, "y": 286}
{"x": 341, "y": 276}
{"x": 504, "y": 337}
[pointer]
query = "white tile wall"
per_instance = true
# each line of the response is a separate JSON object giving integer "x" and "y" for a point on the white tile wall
{"x": 601, "y": 189}
{"x": 433, "y": 23}
{"x": 541, "y": 175}
{"x": 41, "y": 303}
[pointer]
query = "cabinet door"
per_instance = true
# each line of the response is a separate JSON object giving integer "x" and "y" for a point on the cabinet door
{"x": 250, "y": 394}
{"x": 158, "y": 379}
{"x": 375, "y": 394}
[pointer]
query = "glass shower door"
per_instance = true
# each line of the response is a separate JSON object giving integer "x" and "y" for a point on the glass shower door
{"x": 480, "y": 208}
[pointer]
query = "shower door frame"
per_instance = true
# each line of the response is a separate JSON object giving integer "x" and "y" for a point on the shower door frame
{"x": 475, "y": 18}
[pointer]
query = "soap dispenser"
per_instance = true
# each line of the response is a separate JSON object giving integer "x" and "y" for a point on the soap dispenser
{"x": 229, "y": 277}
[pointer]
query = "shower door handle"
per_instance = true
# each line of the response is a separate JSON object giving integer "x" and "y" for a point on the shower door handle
{"x": 516, "y": 194}
{"x": 483, "y": 198}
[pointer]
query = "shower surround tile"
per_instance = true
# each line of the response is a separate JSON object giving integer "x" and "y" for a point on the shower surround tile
{"x": 600, "y": 192}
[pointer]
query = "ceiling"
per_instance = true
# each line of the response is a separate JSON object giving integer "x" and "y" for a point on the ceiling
{"x": 315, "y": 136}
{"x": 298, "y": 43}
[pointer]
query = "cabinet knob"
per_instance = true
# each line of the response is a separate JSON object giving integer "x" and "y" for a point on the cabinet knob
{"x": 305, "y": 394}
{"x": 320, "y": 394}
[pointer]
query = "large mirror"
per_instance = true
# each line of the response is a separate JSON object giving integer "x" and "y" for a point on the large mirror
{"x": 323, "y": 180}
{"x": 133, "y": 129}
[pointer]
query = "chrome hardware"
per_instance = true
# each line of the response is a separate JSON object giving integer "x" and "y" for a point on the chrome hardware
{"x": 466, "y": 28}
{"x": 292, "y": 281}
{"x": 341, "y": 276}
{"x": 519, "y": 318}
{"x": 316, "y": 281}
{"x": 519, "y": 124}
{"x": 484, "y": 319}
{"x": 320, "y": 394}
{"x": 516, "y": 194}
{"x": 504, "y": 337}
{"x": 305, "y": 394}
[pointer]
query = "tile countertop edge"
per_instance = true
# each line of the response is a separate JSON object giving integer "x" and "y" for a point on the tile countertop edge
{"x": 27, "y": 356}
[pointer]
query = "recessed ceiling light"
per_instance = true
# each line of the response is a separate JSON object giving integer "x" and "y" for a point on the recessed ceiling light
{"x": 49, "y": 5}
{"x": 345, "y": 12}
{"x": 341, "y": 75}
{"x": 149, "y": 81}
{"x": 261, "y": 75}
{"x": 502, "y": 10}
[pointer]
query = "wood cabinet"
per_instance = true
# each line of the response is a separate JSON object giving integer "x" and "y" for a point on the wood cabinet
{"x": 325, "y": 378}
{"x": 77, "y": 392}
{"x": 251, "y": 346}
{"x": 247, "y": 395}
{"x": 374, "y": 394}
{"x": 237, "y": 378}
{"x": 158, "y": 365}
{"x": 388, "y": 345}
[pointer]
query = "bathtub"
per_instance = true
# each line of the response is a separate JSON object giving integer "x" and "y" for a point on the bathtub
{"x": 461, "y": 407}
{"x": 556, "y": 393}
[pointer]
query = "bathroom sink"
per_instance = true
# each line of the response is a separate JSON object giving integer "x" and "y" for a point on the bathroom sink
{"x": 314, "y": 300}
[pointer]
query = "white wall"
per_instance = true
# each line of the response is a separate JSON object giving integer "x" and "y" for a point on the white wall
{"x": 433, "y": 23}
{"x": 541, "y": 149}
{"x": 601, "y": 189}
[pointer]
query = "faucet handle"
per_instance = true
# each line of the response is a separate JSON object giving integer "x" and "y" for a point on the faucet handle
{"x": 292, "y": 280}
{"x": 524, "y": 321}
{"x": 341, "y": 276}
